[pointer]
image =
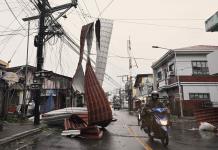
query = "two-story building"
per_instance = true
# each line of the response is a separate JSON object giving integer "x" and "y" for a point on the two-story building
{"x": 184, "y": 76}
{"x": 143, "y": 85}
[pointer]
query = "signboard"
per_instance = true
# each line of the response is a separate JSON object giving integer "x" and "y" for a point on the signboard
{"x": 211, "y": 24}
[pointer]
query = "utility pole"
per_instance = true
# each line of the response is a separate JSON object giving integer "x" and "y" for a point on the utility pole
{"x": 45, "y": 11}
{"x": 130, "y": 100}
{"x": 25, "y": 82}
{"x": 40, "y": 59}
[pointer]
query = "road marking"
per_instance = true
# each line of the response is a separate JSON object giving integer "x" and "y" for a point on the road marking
{"x": 145, "y": 145}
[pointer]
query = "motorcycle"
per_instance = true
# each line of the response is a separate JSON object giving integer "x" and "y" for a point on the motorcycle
{"x": 158, "y": 125}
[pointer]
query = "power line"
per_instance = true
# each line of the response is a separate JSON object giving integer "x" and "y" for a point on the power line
{"x": 86, "y": 8}
{"x": 16, "y": 49}
{"x": 158, "y": 19}
{"x": 12, "y": 30}
{"x": 99, "y": 12}
{"x": 13, "y": 14}
{"x": 152, "y": 24}
{"x": 108, "y": 5}
{"x": 12, "y": 34}
{"x": 4, "y": 10}
{"x": 81, "y": 10}
{"x": 126, "y": 57}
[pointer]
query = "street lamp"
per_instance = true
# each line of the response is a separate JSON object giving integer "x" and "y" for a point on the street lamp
{"x": 178, "y": 81}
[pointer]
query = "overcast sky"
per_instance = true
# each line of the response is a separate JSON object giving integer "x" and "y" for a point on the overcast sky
{"x": 166, "y": 23}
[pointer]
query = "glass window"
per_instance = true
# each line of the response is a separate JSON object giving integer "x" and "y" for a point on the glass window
{"x": 200, "y": 68}
{"x": 199, "y": 96}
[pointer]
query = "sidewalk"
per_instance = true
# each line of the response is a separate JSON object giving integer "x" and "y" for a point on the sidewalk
{"x": 185, "y": 122}
{"x": 14, "y": 131}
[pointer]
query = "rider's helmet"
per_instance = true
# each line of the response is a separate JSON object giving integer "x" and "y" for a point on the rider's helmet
{"x": 154, "y": 95}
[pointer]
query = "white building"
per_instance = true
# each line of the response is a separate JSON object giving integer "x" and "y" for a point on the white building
{"x": 143, "y": 85}
{"x": 187, "y": 67}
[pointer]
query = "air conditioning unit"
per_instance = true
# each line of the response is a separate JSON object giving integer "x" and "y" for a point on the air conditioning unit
{"x": 171, "y": 73}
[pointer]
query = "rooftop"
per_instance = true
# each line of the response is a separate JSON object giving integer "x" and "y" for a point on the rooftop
{"x": 197, "y": 49}
{"x": 33, "y": 69}
{"x": 139, "y": 78}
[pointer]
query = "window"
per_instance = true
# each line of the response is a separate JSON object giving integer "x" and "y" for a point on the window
{"x": 165, "y": 73}
{"x": 171, "y": 67}
{"x": 200, "y": 68}
{"x": 159, "y": 75}
{"x": 201, "y": 96}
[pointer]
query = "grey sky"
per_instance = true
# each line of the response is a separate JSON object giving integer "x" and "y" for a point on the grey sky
{"x": 166, "y": 23}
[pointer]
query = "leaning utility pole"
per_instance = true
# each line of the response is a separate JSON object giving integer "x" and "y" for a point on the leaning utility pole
{"x": 45, "y": 11}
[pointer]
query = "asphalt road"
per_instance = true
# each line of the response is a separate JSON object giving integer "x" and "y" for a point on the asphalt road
{"x": 123, "y": 134}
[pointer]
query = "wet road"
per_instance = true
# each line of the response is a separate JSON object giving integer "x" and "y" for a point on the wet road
{"x": 121, "y": 135}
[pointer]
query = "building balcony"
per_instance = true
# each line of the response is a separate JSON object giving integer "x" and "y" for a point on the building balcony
{"x": 166, "y": 83}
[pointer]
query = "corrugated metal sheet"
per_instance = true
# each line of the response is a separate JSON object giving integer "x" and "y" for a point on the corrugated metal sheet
{"x": 78, "y": 79}
{"x": 102, "y": 46}
{"x": 99, "y": 111}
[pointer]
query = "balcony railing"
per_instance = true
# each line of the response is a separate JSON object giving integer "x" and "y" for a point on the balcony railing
{"x": 172, "y": 79}
{"x": 166, "y": 82}
{"x": 162, "y": 83}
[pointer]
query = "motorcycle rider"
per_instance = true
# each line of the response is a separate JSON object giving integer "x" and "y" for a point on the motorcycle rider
{"x": 154, "y": 101}
{"x": 146, "y": 112}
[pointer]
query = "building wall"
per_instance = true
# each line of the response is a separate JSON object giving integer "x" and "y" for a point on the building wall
{"x": 203, "y": 88}
{"x": 184, "y": 65}
{"x": 212, "y": 59}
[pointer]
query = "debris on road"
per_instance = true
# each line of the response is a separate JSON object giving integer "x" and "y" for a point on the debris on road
{"x": 205, "y": 126}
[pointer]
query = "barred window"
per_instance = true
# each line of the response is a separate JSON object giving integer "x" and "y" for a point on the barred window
{"x": 203, "y": 96}
{"x": 200, "y": 68}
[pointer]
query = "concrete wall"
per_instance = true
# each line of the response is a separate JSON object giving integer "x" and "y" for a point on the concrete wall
{"x": 184, "y": 65}
{"x": 212, "y": 60}
{"x": 203, "y": 88}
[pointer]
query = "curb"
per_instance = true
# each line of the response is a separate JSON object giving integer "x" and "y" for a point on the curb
{"x": 19, "y": 135}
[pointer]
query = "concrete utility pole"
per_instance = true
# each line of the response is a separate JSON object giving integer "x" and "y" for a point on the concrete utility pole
{"x": 40, "y": 59}
{"x": 26, "y": 71}
{"x": 130, "y": 100}
{"x": 45, "y": 11}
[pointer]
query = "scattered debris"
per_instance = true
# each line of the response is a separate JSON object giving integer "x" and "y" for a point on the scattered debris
{"x": 205, "y": 126}
{"x": 70, "y": 133}
{"x": 57, "y": 117}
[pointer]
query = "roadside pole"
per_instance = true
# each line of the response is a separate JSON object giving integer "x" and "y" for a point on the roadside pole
{"x": 25, "y": 82}
{"x": 45, "y": 11}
